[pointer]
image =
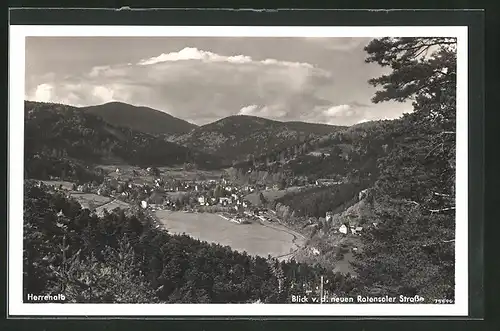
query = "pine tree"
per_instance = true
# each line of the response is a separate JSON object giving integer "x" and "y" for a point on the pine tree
{"x": 413, "y": 246}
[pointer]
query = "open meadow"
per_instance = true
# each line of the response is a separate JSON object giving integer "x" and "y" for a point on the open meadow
{"x": 270, "y": 195}
{"x": 86, "y": 199}
{"x": 65, "y": 184}
{"x": 141, "y": 176}
{"x": 254, "y": 238}
{"x": 111, "y": 206}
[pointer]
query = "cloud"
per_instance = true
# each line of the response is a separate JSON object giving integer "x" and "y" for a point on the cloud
{"x": 47, "y": 92}
{"x": 43, "y": 92}
{"x": 339, "y": 44}
{"x": 359, "y": 104}
{"x": 282, "y": 79}
{"x": 96, "y": 71}
{"x": 344, "y": 114}
{"x": 104, "y": 93}
{"x": 78, "y": 95}
{"x": 341, "y": 110}
{"x": 191, "y": 83}
{"x": 275, "y": 111}
{"x": 192, "y": 53}
{"x": 248, "y": 110}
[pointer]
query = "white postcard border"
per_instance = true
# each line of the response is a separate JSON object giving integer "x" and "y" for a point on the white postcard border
{"x": 16, "y": 307}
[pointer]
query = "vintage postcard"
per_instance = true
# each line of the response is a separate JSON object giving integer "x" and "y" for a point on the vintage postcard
{"x": 238, "y": 171}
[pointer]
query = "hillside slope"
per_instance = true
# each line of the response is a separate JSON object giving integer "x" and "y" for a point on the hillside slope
{"x": 65, "y": 132}
{"x": 400, "y": 179}
{"x": 237, "y": 137}
{"x": 347, "y": 152}
{"x": 141, "y": 119}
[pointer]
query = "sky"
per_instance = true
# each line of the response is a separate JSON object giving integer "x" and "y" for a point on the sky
{"x": 201, "y": 80}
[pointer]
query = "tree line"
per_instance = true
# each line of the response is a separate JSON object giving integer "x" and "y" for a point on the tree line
{"x": 125, "y": 258}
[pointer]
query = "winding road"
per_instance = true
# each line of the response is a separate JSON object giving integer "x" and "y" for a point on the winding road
{"x": 283, "y": 228}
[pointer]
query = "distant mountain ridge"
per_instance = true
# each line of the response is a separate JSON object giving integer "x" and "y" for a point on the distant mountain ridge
{"x": 65, "y": 132}
{"x": 236, "y": 137}
{"x": 233, "y": 138}
{"x": 139, "y": 118}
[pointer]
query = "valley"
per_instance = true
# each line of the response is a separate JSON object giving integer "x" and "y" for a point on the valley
{"x": 207, "y": 206}
{"x": 264, "y": 234}
{"x": 275, "y": 205}
{"x": 245, "y": 209}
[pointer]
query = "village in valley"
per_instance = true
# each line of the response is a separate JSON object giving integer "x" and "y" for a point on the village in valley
{"x": 151, "y": 190}
{"x": 156, "y": 191}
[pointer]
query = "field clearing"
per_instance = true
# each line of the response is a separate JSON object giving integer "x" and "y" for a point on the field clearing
{"x": 66, "y": 185}
{"x": 270, "y": 195}
{"x": 124, "y": 168}
{"x": 253, "y": 238}
{"x": 127, "y": 171}
{"x": 86, "y": 198}
{"x": 344, "y": 266}
{"x": 112, "y": 205}
{"x": 175, "y": 195}
{"x": 191, "y": 174}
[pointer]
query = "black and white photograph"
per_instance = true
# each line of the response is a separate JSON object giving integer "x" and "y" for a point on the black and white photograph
{"x": 275, "y": 170}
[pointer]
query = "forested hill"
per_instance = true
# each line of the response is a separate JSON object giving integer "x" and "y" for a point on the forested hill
{"x": 142, "y": 119}
{"x": 239, "y": 137}
{"x": 61, "y": 131}
{"x": 410, "y": 167}
{"x": 344, "y": 154}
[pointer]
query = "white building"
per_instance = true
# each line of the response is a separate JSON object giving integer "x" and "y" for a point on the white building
{"x": 225, "y": 200}
{"x": 315, "y": 153}
{"x": 362, "y": 194}
{"x": 343, "y": 229}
